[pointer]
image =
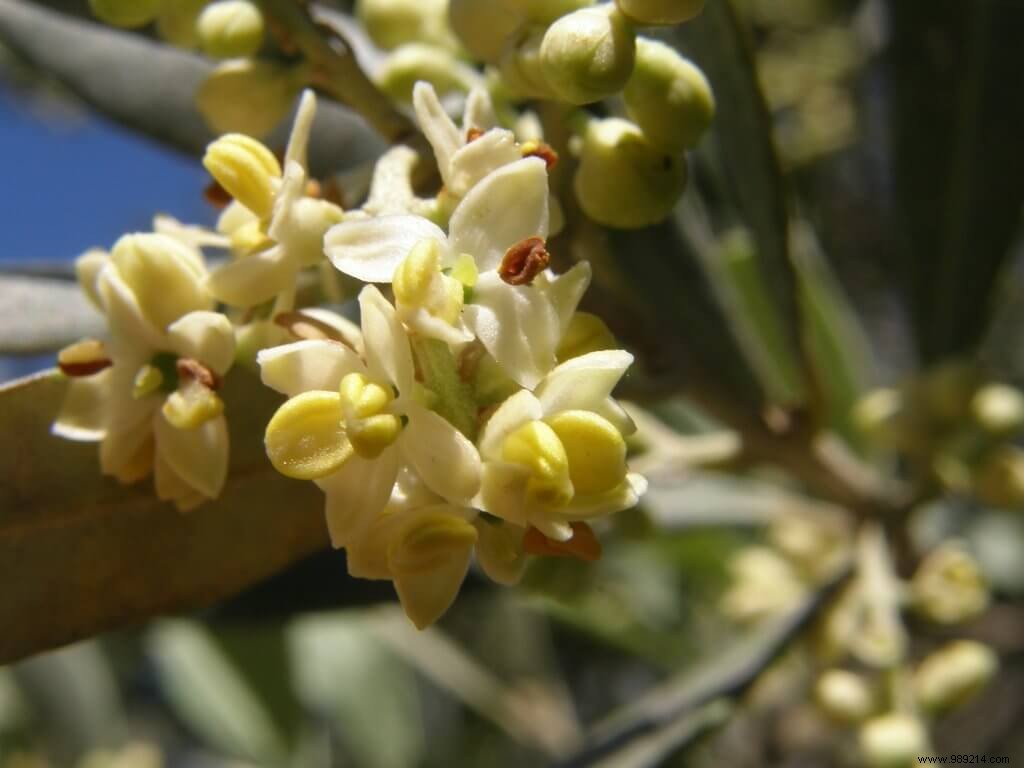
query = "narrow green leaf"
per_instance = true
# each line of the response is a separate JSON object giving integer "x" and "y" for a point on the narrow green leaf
{"x": 80, "y": 554}
{"x": 39, "y": 315}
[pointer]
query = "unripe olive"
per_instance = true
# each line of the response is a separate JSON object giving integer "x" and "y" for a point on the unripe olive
{"x": 588, "y": 54}
{"x": 622, "y": 180}
{"x": 230, "y": 29}
{"x": 668, "y": 97}
{"x": 125, "y": 13}
{"x": 660, "y": 12}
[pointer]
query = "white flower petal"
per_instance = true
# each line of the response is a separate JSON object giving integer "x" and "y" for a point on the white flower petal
{"x": 120, "y": 447}
{"x": 499, "y": 551}
{"x": 518, "y": 325}
{"x": 199, "y": 456}
{"x": 234, "y": 217}
{"x": 584, "y": 382}
{"x": 387, "y": 347}
{"x": 371, "y": 249}
{"x": 442, "y": 133}
{"x": 565, "y": 291}
{"x": 204, "y": 336}
{"x": 505, "y": 208}
{"x": 426, "y": 595}
{"x": 625, "y": 496}
{"x": 252, "y": 279}
{"x": 292, "y": 189}
{"x": 479, "y": 111}
{"x": 87, "y": 269}
{"x": 480, "y": 157}
{"x": 421, "y": 322}
{"x": 83, "y": 414}
{"x": 168, "y": 484}
{"x": 357, "y": 494}
{"x": 348, "y": 331}
{"x": 298, "y": 142}
{"x": 445, "y": 459}
{"x": 197, "y": 237}
{"x": 503, "y": 492}
{"x": 518, "y": 410}
{"x": 306, "y": 366}
{"x": 132, "y": 337}
{"x": 391, "y": 189}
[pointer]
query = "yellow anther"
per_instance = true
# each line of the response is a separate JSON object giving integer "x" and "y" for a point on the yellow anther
{"x": 370, "y": 429}
{"x": 361, "y": 398}
{"x": 595, "y": 449}
{"x": 451, "y": 300}
{"x": 428, "y": 542}
{"x": 306, "y": 438}
{"x": 415, "y": 276}
{"x": 192, "y": 406}
{"x": 371, "y": 436}
{"x": 536, "y": 447}
{"x": 147, "y": 381}
{"x": 246, "y": 169}
{"x": 586, "y": 333}
{"x": 464, "y": 270}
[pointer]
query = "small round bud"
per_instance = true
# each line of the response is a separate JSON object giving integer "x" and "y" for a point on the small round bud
{"x": 998, "y": 409}
{"x": 546, "y": 11}
{"x": 948, "y": 586}
{"x": 999, "y": 479}
{"x": 230, "y": 29}
{"x": 484, "y": 26}
{"x": 413, "y": 62}
{"x": 521, "y": 67}
{"x": 660, "y": 12}
{"x": 883, "y": 418}
{"x": 893, "y": 741}
{"x": 588, "y": 55}
{"x": 668, "y": 97}
{"x": 947, "y": 391}
{"x": 763, "y": 585}
{"x": 178, "y": 21}
{"x": 844, "y": 696}
{"x": 622, "y": 180}
{"x": 391, "y": 23}
{"x": 126, "y": 14}
{"x": 952, "y": 675}
{"x": 248, "y": 96}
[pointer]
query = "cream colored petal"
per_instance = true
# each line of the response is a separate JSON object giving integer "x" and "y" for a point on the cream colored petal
{"x": 252, "y": 279}
{"x": 307, "y": 365}
{"x": 292, "y": 189}
{"x": 234, "y": 217}
{"x": 391, "y": 189}
{"x": 132, "y": 336}
{"x": 480, "y": 157}
{"x": 479, "y": 112}
{"x": 347, "y": 331}
{"x": 199, "y": 456}
{"x": 565, "y": 291}
{"x": 120, "y": 447}
{"x": 298, "y": 142}
{"x": 518, "y": 410}
{"x": 168, "y": 483}
{"x": 443, "y": 457}
{"x": 499, "y": 551}
{"x": 83, "y": 414}
{"x": 388, "y": 355}
{"x": 204, "y": 336}
{"x": 421, "y": 322}
{"x": 503, "y": 492}
{"x": 87, "y": 268}
{"x": 518, "y": 325}
{"x": 426, "y": 594}
{"x": 197, "y": 237}
{"x": 584, "y": 382}
{"x": 371, "y": 249}
{"x": 625, "y": 496}
{"x": 357, "y": 494}
{"x": 444, "y": 136}
{"x": 505, "y": 208}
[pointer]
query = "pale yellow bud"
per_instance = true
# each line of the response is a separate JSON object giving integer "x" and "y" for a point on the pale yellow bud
{"x": 951, "y": 676}
{"x": 521, "y": 67}
{"x": 414, "y": 62}
{"x": 369, "y": 428}
{"x": 191, "y": 406}
{"x": 249, "y": 96}
{"x": 949, "y": 586}
{"x": 177, "y": 22}
{"x": 246, "y": 169}
{"x": 622, "y": 180}
{"x": 536, "y": 447}
{"x": 998, "y": 409}
{"x": 310, "y": 220}
{"x": 306, "y": 438}
{"x": 595, "y": 449}
{"x": 586, "y": 333}
{"x": 391, "y": 23}
{"x": 881, "y": 417}
{"x": 484, "y": 26}
{"x": 660, "y": 12}
{"x": 893, "y": 741}
{"x": 588, "y": 54}
{"x": 125, "y": 13}
{"x": 844, "y": 696}
{"x": 668, "y": 97}
{"x": 230, "y": 29}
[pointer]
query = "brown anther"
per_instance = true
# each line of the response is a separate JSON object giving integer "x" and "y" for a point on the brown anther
{"x": 84, "y": 358}
{"x": 524, "y": 261}
{"x": 313, "y": 188}
{"x": 469, "y": 360}
{"x": 216, "y": 195}
{"x": 473, "y": 134}
{"x": 308, "y": 328}
{"x": 582, "y": 546}
{"x": 330, "y": 190}
{"x": 193, "y": 369}
{"x": 542, "y": 150}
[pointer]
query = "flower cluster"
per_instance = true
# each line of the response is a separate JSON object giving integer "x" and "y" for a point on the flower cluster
{"x": 471, "y": 414}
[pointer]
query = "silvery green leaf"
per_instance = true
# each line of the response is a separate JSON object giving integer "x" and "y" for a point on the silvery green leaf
{"x": 39, "y": 315}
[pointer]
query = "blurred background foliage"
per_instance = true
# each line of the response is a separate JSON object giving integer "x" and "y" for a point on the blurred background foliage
{"x": 897, "y": 125}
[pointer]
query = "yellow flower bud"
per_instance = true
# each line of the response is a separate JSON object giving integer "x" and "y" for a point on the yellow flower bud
{"x": 413, "y": 62}
{"x": 949, "y": 586}
{"x": 306, "y": 438}
{"x": 622, "y": 180}
{"x": 595, "y": 449}
{"x": 998, "y": 409}
{"x": 536, "y": 447}
{"x": 951, "y": 676}
{"x": 484, "y": 26}
{"x": 164, "y": 274}
{"x": 125, "y": 13}
{"x": 844, "y": 696}
{"x": 249, "y": 96}
{"x": 586, "y": 333}
{"x": 192, "y": 406}
{"x": 177, "y": 22}
{"x": 893, "y": 741}
{"x": 310, "y": 220}
{"x": 369, "y": 428}
{"x": 668, "y": 97}
{"x": 588, "y": 54}
{"x": 246, "y": 169}
{"x": 391, "y": 23}
{"x": 230, "y": 29}
{"x": 660, "y": 12}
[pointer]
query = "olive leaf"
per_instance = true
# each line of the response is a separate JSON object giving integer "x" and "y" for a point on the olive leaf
{"x": 150, "y": 87}
{"x": 40, "y": 315}
{"x": 80, "y": 554}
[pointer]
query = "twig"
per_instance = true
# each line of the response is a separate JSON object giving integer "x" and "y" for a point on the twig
{"x": 728, "y": 678}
